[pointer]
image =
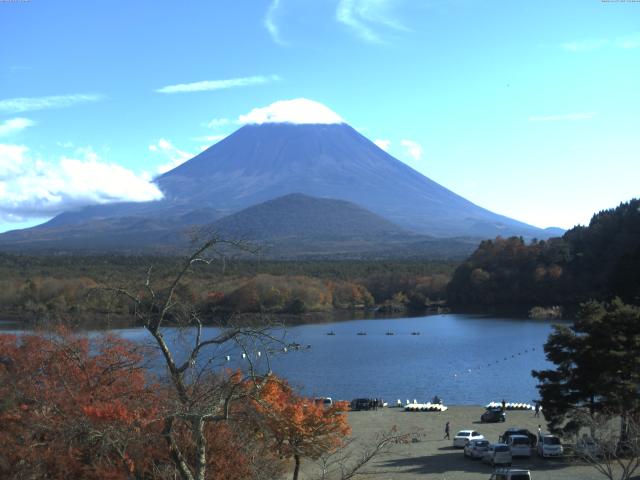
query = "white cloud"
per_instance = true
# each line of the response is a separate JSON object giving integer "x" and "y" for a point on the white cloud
{"x": 14, "y": 125}
{"x": 383, "y": 144}
{"x": 218, "y": 122}
{"x": 630, "y": 41}
{"x": 363, "y": 15}
{"x": 584, "y": 45}
{"x": 270, "y": 22}
{"x": 414, "y": 149}
{"x": 564, "y": 117}
{"x": 24, "y": 104}
{"x": 33, "y": 188}
{"x": 211, "y": 138}
{"x": 299, "y": 111}
{"x": 172, "y": 153}
{"x": 626, "y": 42}
{"x": 218, "y": 84}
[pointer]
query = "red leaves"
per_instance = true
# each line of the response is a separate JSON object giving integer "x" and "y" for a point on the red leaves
{"x": 65, "y": 407}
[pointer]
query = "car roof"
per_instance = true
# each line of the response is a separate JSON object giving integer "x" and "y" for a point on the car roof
{"x": 519, "y": 436}
{"x": 470, "y": 431}
{"x": 499, "y": 445}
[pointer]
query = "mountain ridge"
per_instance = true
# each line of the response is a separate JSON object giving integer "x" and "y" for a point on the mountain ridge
{"x": 259, "y": 163}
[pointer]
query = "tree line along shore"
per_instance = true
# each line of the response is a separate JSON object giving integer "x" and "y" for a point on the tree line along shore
{"x": 599, "y": 261}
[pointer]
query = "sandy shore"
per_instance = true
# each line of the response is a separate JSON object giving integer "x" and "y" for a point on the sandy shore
{"x": 431, "y": 457}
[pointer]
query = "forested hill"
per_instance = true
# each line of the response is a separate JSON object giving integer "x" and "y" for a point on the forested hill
{"x": 595, "y": 262}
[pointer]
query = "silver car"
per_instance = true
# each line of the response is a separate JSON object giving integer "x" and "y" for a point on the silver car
{"x": 520, "y": 445}
{"x": 497, "y": 454}
{"x": 549, "y": 446}
{"x": 476, "y": 448}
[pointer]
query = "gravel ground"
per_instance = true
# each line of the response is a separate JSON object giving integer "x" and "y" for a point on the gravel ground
{"x": 431, "y": 457}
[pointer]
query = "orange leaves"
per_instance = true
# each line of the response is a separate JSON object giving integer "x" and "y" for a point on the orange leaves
{"x": 68, "y": 401}
{"x": 299, "y": 425}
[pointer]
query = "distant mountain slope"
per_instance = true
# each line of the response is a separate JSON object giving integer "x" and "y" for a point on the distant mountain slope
{"x": 259, "y": 163}
{"x": 301, "y": 217}
{"x": 300, "y": 226}
{"x": 292, "y": 226}
{"x": 262, "y": 162}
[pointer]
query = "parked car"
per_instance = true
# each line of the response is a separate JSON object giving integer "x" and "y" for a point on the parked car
{"x": 476, "y": 448}
{"x": 361, "y": 404}
{"x": 533, "y": 439}
{"x": 324, "y": 401}
{"x": 493, "y": 415}
{"x": 497, "y": 454}
{"x": 549, "y": 446}
{"x": 510, "y": 474}
{"x": 520, "y": 445}
{"x": 465, "y": 436}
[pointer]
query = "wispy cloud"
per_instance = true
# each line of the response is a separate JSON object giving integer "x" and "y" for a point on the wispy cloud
{"x": 584, "y": 45}
{"x": 170, "y": 152}
{"x": 25, "y": 104}
{"x": 413, "y": 149}
{"x": 630, "y": 41}
{"x": 14, "y": 125}
{"x": 218, "y": 122}
{"x": 363, "y": 16}
{"x": 34, "y": 188}
{"x": 587, "y": 45}
{"x": 218, "y": 84}
{"x": 270, "y": 22}
{"x": 211, "y": 138}
{"x": 563, "y": 117}
{"x": 382, "y": 143}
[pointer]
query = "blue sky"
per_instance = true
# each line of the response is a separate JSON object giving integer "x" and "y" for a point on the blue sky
{"x": 530, "y": 109}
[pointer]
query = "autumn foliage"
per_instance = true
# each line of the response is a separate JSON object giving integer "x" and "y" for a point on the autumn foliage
{"x": 301, "y": 427}
{"x": 85, "y": 407}
{"x": 72, "y": 409}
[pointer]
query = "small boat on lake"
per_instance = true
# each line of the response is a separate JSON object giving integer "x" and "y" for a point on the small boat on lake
{"x": 415, "y": 333}
{"x": 331, "y": 333}
{"x": 389, "y": 332}
{"x": 361, "y": 333}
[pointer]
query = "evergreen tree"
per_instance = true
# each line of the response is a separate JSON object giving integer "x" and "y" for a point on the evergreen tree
{"x": 597, "y": 363}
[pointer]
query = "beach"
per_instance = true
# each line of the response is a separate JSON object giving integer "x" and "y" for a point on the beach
{"x": 429, "y": 456}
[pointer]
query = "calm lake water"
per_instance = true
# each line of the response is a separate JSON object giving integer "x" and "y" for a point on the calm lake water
{"x": 464, "y": 359}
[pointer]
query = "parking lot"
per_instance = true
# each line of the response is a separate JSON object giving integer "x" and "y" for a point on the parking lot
{"x": 431, "y": 457}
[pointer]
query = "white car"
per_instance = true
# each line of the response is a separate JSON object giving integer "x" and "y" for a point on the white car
{"x": 465, "y": 436}
{"x": 476, "y": 448}
{"x": 497, "y": 454}
{"x": 520, "y": 445}
{"x": 510, "y": 474}
{"x": 549, "y": 446}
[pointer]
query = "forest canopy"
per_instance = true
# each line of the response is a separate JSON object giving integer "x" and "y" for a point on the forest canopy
{"x": 600, "y": 261}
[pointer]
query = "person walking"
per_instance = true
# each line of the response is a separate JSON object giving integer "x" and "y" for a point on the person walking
{"x": 446, "y": 432}
{"x": 537, "y": 410}
{"x": 504, "y": 405}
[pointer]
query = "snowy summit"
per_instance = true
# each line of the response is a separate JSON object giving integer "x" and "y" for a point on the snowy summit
{"x": 296, "y": 111}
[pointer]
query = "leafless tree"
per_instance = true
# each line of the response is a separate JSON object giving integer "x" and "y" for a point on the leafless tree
{"x": 610, "y": 444}
{"x": 353, "y": 457}
{"x": 200, "y": 394}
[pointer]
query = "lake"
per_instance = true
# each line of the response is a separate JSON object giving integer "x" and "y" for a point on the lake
{"x": 465, "y": 359}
